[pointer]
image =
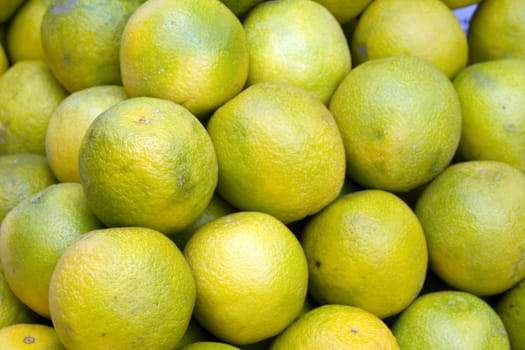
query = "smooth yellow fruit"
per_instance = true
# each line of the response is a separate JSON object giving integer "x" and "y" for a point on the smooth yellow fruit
{"x": 473, "y": 215}
{"x": 497, "y": 30}
{"x": 200, "y": 55}
{"x": 21, "y": 176}
{"x": 148, "y": 162}
{"x": 279, "y": 151}
{"x": 29, "y": 93}
{"x": 8, "y": 8}
{"x": 251, "y": 276}
{"x": 12, "y": 310}
{"x": 366, "y": 249}
{"x": 29, "y": 336}
{"x": 400, "y": 119}
{"x": 511, "y": 308}
{"x": 68, "y": 125}
{"x": 450, "y": 320}
{"x": 336, "y": 327}
{"x": 454, "y": 4}
{"x": 345, "y": 10}
{"x": 426, "y": 28}
{"x": 81, "y": 40}
{"x": 24, "y": 41}
{"x": 284, "y": 45}
{"x": 35, "y": 234}
{"x": 492, "y": 97}
{"x": 121, "y": 288}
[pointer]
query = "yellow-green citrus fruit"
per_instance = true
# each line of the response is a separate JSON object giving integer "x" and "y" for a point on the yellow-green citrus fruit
{"x": 121, "y": 288}
{"x": 68, "y": 125}
{"x": 200, "y": 55}
{"x": 425, "y": 28}
{"x": 31, "y": 336}
{"x": 400, "y": 119}
{"x": 454, "y": 4}
{"x": 194, "y": 333}
{"x": 473, "y": 215}
{"x": 345, "y": 10}
{"x": 12, "y": 310}
{"x": 24, "y": 41}
{"x": 4, "y": 62}
{"x": 35, "y": 234}
{"x": 148, "y": 162}
{"x": 336, "y": 327}
{"x": 497, "y": 30}
{"x": 8, "y": 8}
{"x": 450, "y": 320}
{"x": 81, "y": 40}
{"x": 511, "y": 308}
{"x": 29, "y": 93}
{"x": 209, "y": 346}
{"x": 285, "y": 45}
{"x": 21, "y": 176}
{"x": 366, "y": 249}
{"x": 240, "y": 7}
{"x": 492, "y": 97}
{"x": 279, "y": 151}
{"x": 251, "y": 276}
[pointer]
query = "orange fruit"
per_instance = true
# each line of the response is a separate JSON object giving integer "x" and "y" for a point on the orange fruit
{"x": 279, "y": 151}
{"x": 473, "y": 215}
{"x": 345, "y": 10}
{"x": 366, "y": 249}
{"x": 121, "y": 288}
{"x": 35, "y": 234}
{"x": 497, "y": 30}
{"x": 29, "y": 336}
{"x": 510, "y": 306}
{"x": 492, "y": 97}
{"x": 427, "y": 29}
{"x": 400, "y": 120}
{"x": 336, "y": 327}
{"x": 450, "y": 320}
{"x": 21, "y": 176}
{"x": 200, "y": 55}
{"x": 148, "y": 162}
{"x": 23, "y": 34}
{"x": 251, "y": 276}
{"x": 81, "y": 40}
{"x": 285, "y": 46}
{"x": 69, "y": 122}
{"x": 29, "y": 93}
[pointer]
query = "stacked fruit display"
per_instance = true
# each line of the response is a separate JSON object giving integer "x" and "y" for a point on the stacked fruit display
{"x": 283, "y": 174}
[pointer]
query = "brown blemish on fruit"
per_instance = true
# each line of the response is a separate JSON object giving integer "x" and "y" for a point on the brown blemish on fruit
{"x": 318, "y": 264}
{"x": 143, "y": 120}
{"x": 28, "y": 339}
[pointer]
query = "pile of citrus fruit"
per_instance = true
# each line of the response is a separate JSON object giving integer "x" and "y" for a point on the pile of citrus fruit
{"x": 250, "y": 174}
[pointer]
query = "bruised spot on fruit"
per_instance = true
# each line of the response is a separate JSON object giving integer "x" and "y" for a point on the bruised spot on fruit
{"x": 143, "y": 120}
{"x": 63, "y": 6}
{"x": 361, "y": 51}
{"x": 103, "y": 335}
{"x": 318, "y": 264}
{"x": 28, "y": 339}
{"x": 354, "y": 330}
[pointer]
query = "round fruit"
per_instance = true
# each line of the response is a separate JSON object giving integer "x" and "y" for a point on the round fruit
{"x": 497, "y": 30}
{"x": 4, "y": 62}
{"x": 426, "y": 28}
{"x": 81, "y": 40}
{"x": 336, "y": 327}
{"x": 492, "y": 97}
{"x": 400, "y": 119}
{"x": 240, "y": 7}
{"x": 68, "y": 125}
{"x": 200, "y": 53}
{"x": 23, "y": 34}
{"x": 279, "y": 151}
{"x": 12, "y": 310}
{"x": 29, "y": 336}
{"x": 454, "y": 4}
{"x": 450, "y": 320}
{"x": 345, "y": 10}
{"x": 366, "y": 249}
{"x": 29, "y": 93}
{"x": 251, "y": 276}
{"x": 209, "y": 346}
{"x": 8, "y": 8}
{"x": 21, "y": 176}
{"x": 121, "y": 288}
{"x": 511, "y": 308}
{"x": 473, "y": 215}
{"x": 35, "y": 234}
{"x": 148, "y": 162}
{"x": 285, "y": 46}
